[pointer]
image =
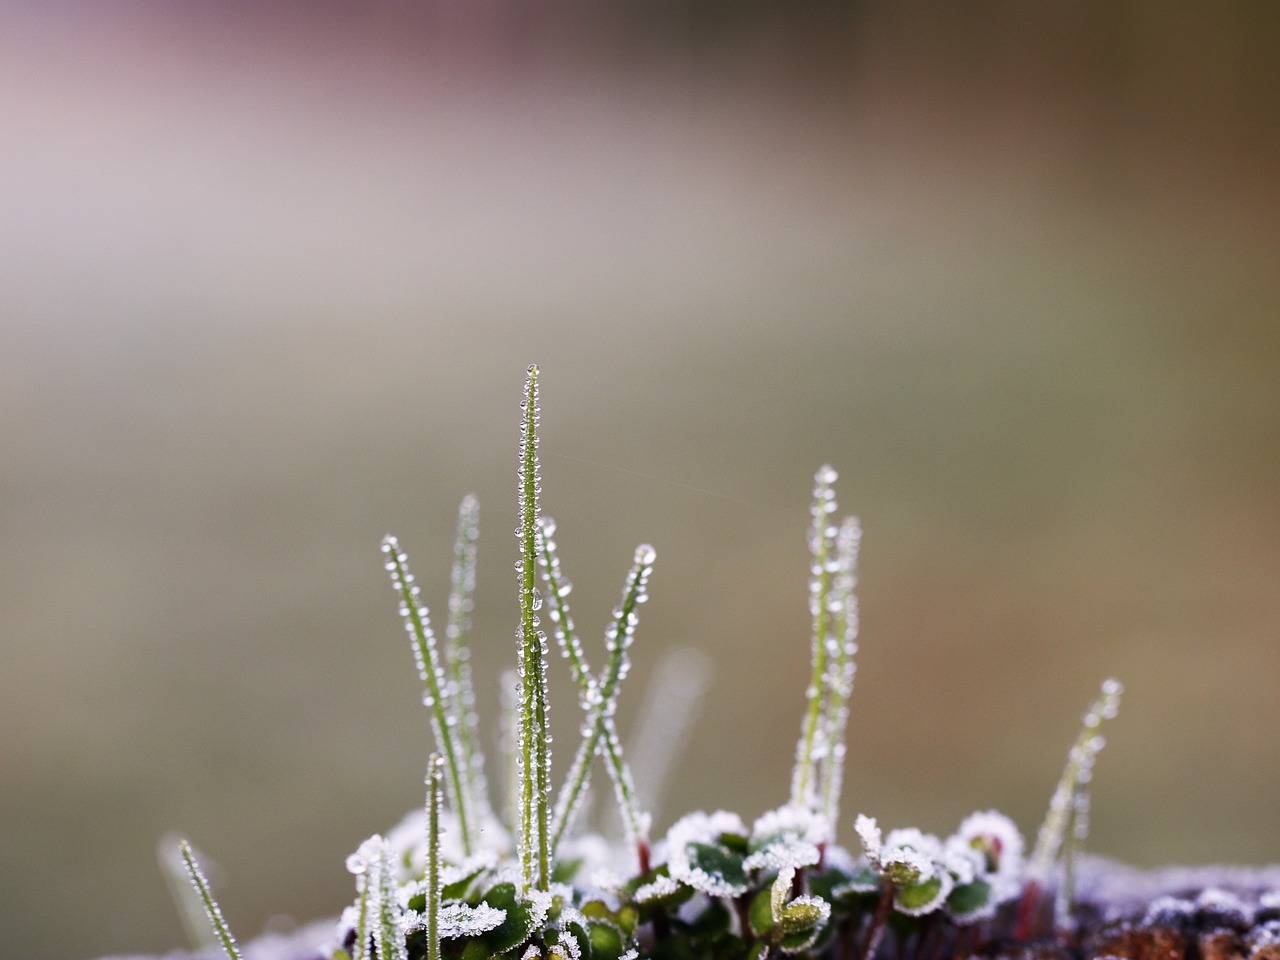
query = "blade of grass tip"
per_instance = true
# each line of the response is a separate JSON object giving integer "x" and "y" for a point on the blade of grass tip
{"x": 185, "y": 899}
{"x": 444, "y": 720}
{"x": 599, "y": 726}
{"x": 435, "y": 777}
{"x": 211, "y": 908}
{"x": 535, "y": 753}
{"x": 673, "y": 698}
{"x": 822, "y": 547}
{"x": 1078, "y": 770}
{"x": 841, "y": 668}
{"x": 457, "y": 656}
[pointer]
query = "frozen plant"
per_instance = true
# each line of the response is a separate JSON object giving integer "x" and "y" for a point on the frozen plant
{"x": 453, "y": 883}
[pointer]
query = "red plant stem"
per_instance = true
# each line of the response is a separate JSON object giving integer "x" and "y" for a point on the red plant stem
{"x": 642, "y": 854}
{"x": 1028, "y": 906}
{"x": 876, "y": 933}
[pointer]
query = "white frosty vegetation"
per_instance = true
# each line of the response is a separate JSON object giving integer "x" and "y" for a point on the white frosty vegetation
{"x": 451, "y": 882}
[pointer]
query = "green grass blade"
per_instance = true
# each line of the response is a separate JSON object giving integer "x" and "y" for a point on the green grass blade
{"x": 185, "y": 897}
{"x": 558, "y": 591}
{"x": 1079, "y": 769}
{"x": 599, "y": 728}
{"x": 535, "y": 753}
{"x": 674, "y": 696}
{"x": 840, "y": 670}
{"x": 821, "y": 603}
{"x": 457, "y": 658}
{"x": 391, "y": 945}
{"x": 211, "y": 908}
{"x": 422, "y": 640}
{"x": 435, "y": 785}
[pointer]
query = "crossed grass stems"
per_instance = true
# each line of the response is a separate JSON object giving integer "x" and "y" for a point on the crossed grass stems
{"x": 780, "y": 887}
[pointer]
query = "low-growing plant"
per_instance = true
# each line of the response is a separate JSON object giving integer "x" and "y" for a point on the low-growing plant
{"x": 455, "y": 882}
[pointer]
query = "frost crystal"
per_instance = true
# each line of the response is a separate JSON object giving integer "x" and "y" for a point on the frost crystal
{"x": 659, "y": 888}
{"x": 701, "y": 830}
{"x": 460, "y": 920}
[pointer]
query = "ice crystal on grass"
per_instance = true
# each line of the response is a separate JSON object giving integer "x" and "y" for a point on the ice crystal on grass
{"x": 534, "y": 755}
{"x": 211, "y": 908}
{"x": 451, "y": 883}
{"x": 438, "y": 696}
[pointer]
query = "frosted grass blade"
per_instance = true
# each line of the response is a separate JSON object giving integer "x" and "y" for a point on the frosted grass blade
{"x": 673, "y": 700}
{"x": 599, "y": 726}
{"x": 840, "y": 669}
{"x": 457, "y": 656}
{"x": 822, "y": 601}
{"x": 534, "y": 753}
{"x": 435, "y": 785}
{"x": 186, "y": 898}
{"x": 444, "y": 719}
{"x": 211, "y": 908}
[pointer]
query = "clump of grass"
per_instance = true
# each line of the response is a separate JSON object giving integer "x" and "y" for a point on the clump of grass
{"x": 454, "y": 883}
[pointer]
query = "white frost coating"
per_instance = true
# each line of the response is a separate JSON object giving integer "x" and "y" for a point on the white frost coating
{"x": 569, "y": 944}
{"x": 867, "y": 831}
{"x": 997, "y": 840}
{"x": 1219, "y": 900}
{"x": 703, "y": 828}
{"x": 531, "y": 952}
{"x": 367, "y": 855}
{"x": 783, "y": 855}
{"x": 787, "y": 837}
{"x": 631, "y": 954}
{"x": 817, "y": 905}
{"x": 661, "y": 887}
{"x": 914, "y": 850}
{"x": 461, "y": 920}
{"x": 799, "y": 823}
{"x": 540, "y": 902}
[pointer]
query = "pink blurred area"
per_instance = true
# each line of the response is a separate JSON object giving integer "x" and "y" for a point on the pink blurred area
{"x": 270, "y": 278}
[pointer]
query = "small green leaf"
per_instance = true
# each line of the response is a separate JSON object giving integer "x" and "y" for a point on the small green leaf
{"x": 918, "y": 898}
{"x": 969, "y": 899}
{"x": 761, "y": 913}
{"x": 606, "y": 940}
{"x": 719, "y": 862}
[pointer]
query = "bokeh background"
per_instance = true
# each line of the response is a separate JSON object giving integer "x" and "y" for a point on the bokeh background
{"x": 269, "y": 280}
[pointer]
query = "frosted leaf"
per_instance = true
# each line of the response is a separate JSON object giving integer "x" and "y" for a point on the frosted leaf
{"x": 531, "y": 952}
{"x": 659, "y": 888}
{"x": 631, "y": 954}
{"x": 783, "y": 855}
{"x": 869, "y": 834}
{"x": 460, "y": 920}
{"x": 693, "y": 847}
{"x": 924, "y": 896}
{"x": 540, "y": 903}
{"x": 789, "y": 823}
{"x": 996, "y": 839}
{"x": 568, "y": 946}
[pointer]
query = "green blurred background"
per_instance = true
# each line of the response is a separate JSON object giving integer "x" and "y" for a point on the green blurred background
{"x": 269, "y": 282}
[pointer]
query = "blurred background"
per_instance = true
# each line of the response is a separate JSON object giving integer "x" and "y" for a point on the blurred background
{"x": 269, "y": 281}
